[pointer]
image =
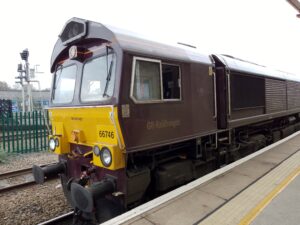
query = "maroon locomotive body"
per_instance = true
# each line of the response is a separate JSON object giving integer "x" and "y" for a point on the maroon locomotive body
{"x": 154, "y": 116}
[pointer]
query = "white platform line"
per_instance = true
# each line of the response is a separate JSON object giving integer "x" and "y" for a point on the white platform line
{"x": 185, "y": 188}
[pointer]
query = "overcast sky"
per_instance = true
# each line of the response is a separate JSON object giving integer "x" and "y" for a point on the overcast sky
{"x": 263, "y": 31}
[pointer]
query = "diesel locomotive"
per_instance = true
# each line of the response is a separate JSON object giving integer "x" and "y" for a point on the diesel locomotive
{"x": 133, "y": 118}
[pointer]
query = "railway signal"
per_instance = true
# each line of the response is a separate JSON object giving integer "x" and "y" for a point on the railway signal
{"x": 26, "y": 73}
{"x": 23, "y": 76}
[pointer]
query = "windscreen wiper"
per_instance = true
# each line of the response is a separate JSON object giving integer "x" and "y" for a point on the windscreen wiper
{"x": 108, "y": 73}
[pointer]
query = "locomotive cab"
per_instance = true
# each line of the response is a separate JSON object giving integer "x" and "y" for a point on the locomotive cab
{"x": 86, "y": 135}
{"x": 84, "y": 93}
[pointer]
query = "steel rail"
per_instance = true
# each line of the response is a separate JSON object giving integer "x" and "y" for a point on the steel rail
{"x": 16, "y": 186}
{"x": 57, "y": 219}
{"x": 17, "y": 173}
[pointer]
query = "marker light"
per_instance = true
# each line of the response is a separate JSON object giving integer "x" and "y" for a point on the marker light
{"x": 73, "y": 53}
{"x": 96, "y": 150}
{"x": 105, "y": 156}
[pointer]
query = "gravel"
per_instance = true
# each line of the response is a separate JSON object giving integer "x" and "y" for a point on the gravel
{"x": 20, "y": 161}
{"x": 34, "y": 204}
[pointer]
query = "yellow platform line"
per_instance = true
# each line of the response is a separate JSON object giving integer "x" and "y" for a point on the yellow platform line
{"x": 254, "y": 212}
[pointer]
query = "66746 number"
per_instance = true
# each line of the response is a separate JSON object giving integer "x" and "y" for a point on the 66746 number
{"x": 106, "y": 134}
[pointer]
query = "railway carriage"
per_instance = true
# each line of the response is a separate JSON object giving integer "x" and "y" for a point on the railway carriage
{"x": 132, "y": 118}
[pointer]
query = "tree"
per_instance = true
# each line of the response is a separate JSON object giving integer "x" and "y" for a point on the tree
{"x": 16, "y": 87}
{"x": 4, "y": 86}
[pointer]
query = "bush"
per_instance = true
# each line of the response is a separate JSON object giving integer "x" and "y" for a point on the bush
{"x": 3, "y": 156}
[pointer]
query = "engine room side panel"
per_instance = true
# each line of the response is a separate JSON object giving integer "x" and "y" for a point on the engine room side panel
{"x": 149, "y": 124}
{"x": 247, "y": 95}
{"x": 263, "y": 99}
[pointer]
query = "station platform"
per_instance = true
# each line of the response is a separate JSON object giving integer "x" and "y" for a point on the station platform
{"x": 260, "y": 189}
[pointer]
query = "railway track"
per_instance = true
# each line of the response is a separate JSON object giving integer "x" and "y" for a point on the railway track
{"x": 16, "y": 179}
{"x": 60, "y": 220}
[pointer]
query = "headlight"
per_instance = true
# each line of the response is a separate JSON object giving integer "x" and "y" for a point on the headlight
{"x": 52, "y": 144}
{"x": 105, "y": 156}
{"x": 96, "y": 150}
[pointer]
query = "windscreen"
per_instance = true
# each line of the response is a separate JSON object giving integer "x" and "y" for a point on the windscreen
{"x": 64, "y": 86}
{"x": 98, "y": 78}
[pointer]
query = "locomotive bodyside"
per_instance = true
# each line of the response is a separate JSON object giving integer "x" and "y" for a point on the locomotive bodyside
{"x": 187, "y": 114}
{"x": 254, "y": 93}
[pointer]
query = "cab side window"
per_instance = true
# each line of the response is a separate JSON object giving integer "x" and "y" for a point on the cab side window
{"x": 171, "y": 81}
{"x": 147, "y": 84}
{"x": 154, "y": 81}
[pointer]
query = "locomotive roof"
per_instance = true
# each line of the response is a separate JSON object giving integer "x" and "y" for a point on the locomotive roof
{"x": 128, "y": 41}
{"x": 236, "y": 64}
{"x": 131, "y": 41}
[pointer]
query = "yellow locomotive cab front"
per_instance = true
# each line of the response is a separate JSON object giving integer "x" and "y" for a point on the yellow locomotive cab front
{"x": 94, "y": 127}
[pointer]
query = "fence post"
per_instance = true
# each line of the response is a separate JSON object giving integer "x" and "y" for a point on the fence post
{"x": 13, "y": 127}
{"x": 3, "y": 130}
{"x": 26, "y": 131}
{"x": 8, "y": 134}
{"x": 21, "y": 129}
{"x": 40, "y": 131}
{"x": 46, "y": 125}
{"x": 30, "y": 130}
{"x": 36, "y": 131}
{"x": 17, "y": 131}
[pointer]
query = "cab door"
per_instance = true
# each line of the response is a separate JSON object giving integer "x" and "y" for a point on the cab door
{"x": 221, "y": 93}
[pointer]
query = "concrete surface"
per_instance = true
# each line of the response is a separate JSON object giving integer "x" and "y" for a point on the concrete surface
{"x": 283, "y": 209}
{"x": 227, "y": 186}
{"x": 186, "y": 210}
{"x": 245, "y": 206}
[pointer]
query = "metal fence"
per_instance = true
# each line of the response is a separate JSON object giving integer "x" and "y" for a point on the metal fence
{"x": 5, "y": 107}
{"x": 24, "y": 132}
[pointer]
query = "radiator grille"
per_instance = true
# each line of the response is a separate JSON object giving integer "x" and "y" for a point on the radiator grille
{"x": 293, "y": 94}
{"x": 275, "y": 95}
